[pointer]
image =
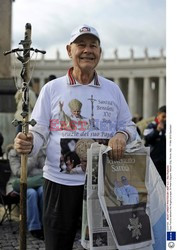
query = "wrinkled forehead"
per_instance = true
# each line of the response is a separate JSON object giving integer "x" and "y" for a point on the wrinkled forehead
{"x": 87, "y": 38}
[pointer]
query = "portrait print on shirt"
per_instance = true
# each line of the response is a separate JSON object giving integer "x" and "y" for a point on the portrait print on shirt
{"x": 73, "y": 158}
{"x": 74, "y": 155}
{"x": 86, "y": 118}
{"x": 75, "y": 120}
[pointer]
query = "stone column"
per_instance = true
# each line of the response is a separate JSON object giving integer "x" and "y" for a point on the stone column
{"x": 5, "y": 37}
{"x": 123, "y": 87}
{"x": 147, "y": 98}
{"x": 162, "y": 91}
{"x": 132, "y": 95}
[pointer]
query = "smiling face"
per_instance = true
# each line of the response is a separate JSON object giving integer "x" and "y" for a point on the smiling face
{"x": 85, "y": 53}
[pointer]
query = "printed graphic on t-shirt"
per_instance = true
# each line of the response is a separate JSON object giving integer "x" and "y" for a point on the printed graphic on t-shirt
{"x": 85, "y": 118}
{"x": 76, "y": 120}
{"x": 74, "y": 154}
{"x": 81, "y": 119}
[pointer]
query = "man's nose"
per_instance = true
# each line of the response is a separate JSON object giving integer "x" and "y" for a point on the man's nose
{"x": 87, "y": 48}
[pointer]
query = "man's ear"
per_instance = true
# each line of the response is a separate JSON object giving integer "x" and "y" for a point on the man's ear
{"x": 68, "y": 48}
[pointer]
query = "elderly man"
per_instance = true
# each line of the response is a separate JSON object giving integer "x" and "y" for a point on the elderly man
{"x": 63, "y": 192}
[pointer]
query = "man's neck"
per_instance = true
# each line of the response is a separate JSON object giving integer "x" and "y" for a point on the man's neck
{"x": 83, "y": 77}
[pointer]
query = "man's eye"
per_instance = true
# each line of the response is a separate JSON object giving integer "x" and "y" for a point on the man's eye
{"x": 94, "y": 46}
{"x": 81, "y": 44}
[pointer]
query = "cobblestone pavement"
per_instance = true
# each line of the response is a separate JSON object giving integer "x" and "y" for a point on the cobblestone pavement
{"x": 9, "y": 238}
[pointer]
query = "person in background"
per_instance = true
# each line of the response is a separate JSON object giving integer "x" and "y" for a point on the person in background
{"x": 63, "y": 192}
{"x": 155, "y": 138}
{"x": 34, "y": 188}
{"x": 51, "y": 77}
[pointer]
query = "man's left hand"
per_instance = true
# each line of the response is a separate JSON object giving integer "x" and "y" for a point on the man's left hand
{"x": 118, "y": 144}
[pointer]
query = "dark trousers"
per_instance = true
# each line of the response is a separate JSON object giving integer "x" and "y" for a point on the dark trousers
{"x": 62, "y": 209}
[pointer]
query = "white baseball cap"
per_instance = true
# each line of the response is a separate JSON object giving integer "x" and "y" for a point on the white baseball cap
{"x": 82, "y": 30}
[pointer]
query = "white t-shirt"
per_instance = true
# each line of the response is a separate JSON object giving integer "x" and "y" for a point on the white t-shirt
{"x": 103, "y": 108}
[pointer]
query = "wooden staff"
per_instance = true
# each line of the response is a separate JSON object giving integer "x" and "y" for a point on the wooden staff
{"x": 25, "y": 74}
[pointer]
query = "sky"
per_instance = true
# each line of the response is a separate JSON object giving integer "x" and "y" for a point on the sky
{"x": 121, "y": 24}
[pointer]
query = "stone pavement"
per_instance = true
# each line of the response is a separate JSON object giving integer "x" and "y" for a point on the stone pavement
{"x": 9, "y": 237}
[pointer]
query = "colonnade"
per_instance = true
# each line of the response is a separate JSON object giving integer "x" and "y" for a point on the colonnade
{"x": 144, "y": 95}
{"x": 142, "y": 80}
